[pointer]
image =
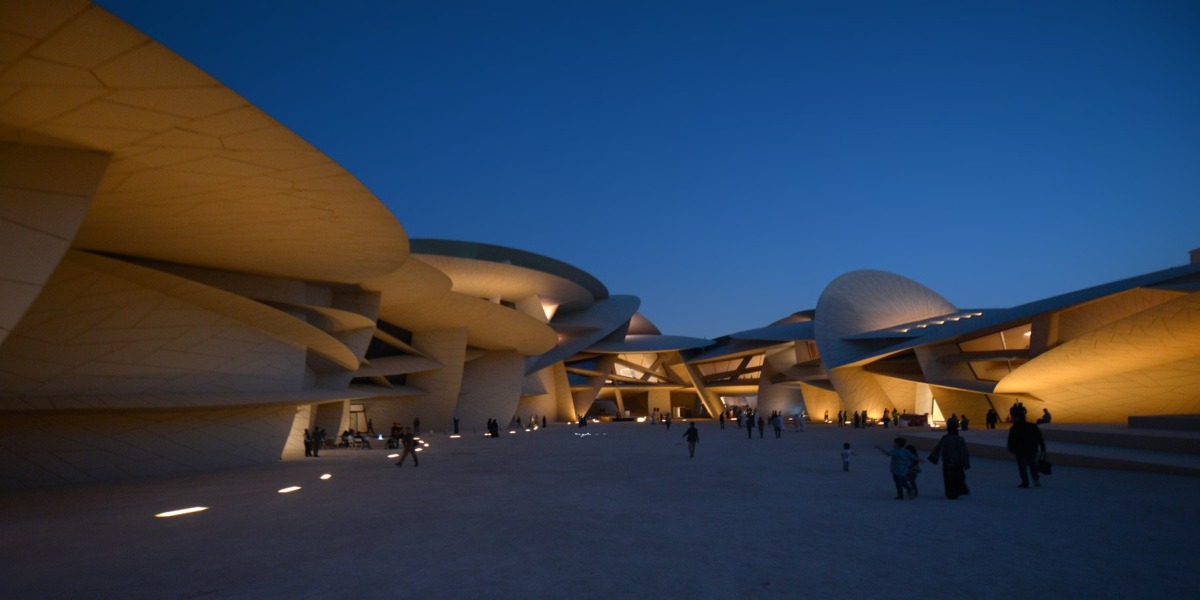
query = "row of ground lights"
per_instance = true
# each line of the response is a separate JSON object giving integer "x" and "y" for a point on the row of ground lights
{"x": 286, "y": 490}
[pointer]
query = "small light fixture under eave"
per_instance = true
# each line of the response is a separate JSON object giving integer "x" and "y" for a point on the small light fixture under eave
{"x": 181, "y": 511}
{"x": 550, "y": 310}
{"x": 903, "y": 331}
{"x": 326, "y": 476}
{"x": 289, "y": 489}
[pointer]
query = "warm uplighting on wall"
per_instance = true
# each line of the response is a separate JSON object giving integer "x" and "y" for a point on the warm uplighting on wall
{"x": 289, "y": 489}
{"x": 182, "y": 511}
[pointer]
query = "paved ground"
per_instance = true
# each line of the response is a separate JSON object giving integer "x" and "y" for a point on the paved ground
{"x": 622, "y": 512}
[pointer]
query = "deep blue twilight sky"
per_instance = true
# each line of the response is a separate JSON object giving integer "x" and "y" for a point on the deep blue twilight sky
{"x": 724, "y": 161}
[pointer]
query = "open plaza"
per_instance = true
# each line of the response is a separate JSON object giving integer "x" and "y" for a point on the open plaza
{"x": 613, "y": 510}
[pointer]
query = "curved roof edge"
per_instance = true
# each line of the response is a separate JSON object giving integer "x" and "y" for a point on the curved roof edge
{"x": 651, "y": 343}
{"x": 512, "y": 256}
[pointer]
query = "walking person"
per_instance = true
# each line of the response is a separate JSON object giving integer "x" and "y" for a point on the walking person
{"x": 952, "y": 451}
{"x": 991, "y": 418}
{"x": 410, "y": 447}
{"x": 1024, "y": 442}
{"x": 777, "y": 422}
{"x": 761, "y": 425}
{"x": 722, "y": 419}
{"x": 914, "y": 470}
{"x": 416, "y": 430}
{"x": 846, "y": 454}
{"x": 307, "y": 443}
{"x": 749, "y": 427}
{"x": 318, "y": 440}
{"x": 692, "y": 435}
{"x": 901, "y": 463}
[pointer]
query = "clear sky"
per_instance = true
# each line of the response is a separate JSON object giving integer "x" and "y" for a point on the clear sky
{"x": 724, "y": 161}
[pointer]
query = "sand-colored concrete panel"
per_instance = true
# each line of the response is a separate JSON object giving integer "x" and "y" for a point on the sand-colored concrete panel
{"x": 252, "y": 314}
{"x": 51, "y": 170}
{"x": 860, "y": 390}
{"x": 56, "y": 215}
{"x": 818, "y": 401}
{"x": 33, "y": 71}
{"x": 54, "y": 449}
{"x": 37, "y": 18}
{"x": 189, "y": 103}
{"x": 39, "y": 105}
{"x": 485, "y": 279}
{"x": 491, "y": 388}
{"x": 862, "y": 301}
{"x": 435, "y": 407}
{"x": 1165, "y": 333}
{"x": 398, "y": 365}
{"x": 90, "y": 39}
{"x": 329, "y": 228}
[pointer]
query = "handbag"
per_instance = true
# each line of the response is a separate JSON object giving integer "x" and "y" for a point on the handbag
{"x": 1043, "y": 465}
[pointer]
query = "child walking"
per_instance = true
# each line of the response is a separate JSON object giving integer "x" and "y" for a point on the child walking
{"x": 902, "y": 461}
{"x": 914, "y": 470}
{"x": 846, "y": 454}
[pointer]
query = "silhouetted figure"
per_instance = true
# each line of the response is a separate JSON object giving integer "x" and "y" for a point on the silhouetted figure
{"x": 964, "y": 422}
{"x": 846, "y": 454}
{"x": 308, "y": 443}
{"x": 749, "y": 427}
{"x": 915, "y": 470}
{"x": 857, "y": 422}
{"x": 416, "y": 430}
{"x": 1045, "y": 418}
{"x": 952, "y": 451}
{"x": 902, "y": 461}
{"x": 455, "y": 425}
{"x": 543, "y": 421}
{"x": 318, "y": 440}
{"x": 722, "y": 420}
{"x": 952, "y": 421}
{"x": 991, "y": 418}
{"x": 1024, "y": 442}
{"x": 692, "y": 435}
{"x": 409, "y": 443}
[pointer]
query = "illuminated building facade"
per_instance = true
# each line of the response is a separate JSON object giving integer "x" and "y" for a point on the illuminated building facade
{"x": 187, "y": 285}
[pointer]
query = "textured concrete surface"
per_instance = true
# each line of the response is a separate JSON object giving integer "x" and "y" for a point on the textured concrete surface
{"x": 622, "y": 512}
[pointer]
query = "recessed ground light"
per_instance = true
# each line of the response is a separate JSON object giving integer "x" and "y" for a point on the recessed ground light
{"x": 182, "y": 511}
{"x": 289, "y": 489}
{"x": 326, "y": 476}
{"x": 393, "y": 455}
{"x": 455, "y": 436}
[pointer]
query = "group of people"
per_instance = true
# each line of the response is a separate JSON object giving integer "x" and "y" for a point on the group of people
{"x": 890, "y": 417}
{"x": 313, "y": 441}
{"x": 905, "y": 466}
{"x": 1025, "y": 443}
{"x": 351, "y": 437}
